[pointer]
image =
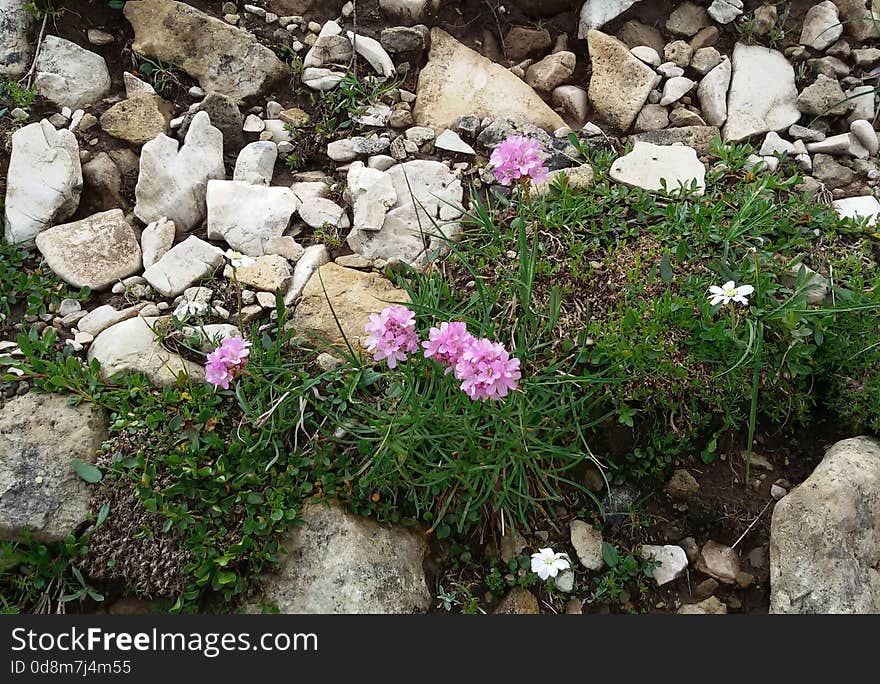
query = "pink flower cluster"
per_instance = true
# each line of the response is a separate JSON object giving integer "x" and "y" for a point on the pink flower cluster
{"x": 226, "y": 361}
{"x": 485, "y": 368}
{"x": 518, "y": 157}
{"x": 391, "y": 334}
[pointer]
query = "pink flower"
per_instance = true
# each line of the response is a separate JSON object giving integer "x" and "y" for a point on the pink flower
{"x": 391, "y": 334}
{"x": 486, "y": 370}
{"x": 446, "y": 343}
{"x": 518, "y": 157}
{"x": 217, "y": 373}
{"x": 234, "y": 351}
{"x": 226, "y": 361}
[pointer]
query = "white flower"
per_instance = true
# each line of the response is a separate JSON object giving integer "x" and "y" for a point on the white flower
{"x": 729, "y": 292}
{"x": 237, "y": 259}
{"x": 190, "y": 307}
{"x": 546, "y": 563}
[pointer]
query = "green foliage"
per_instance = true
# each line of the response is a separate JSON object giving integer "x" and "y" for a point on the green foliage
{"x": 624, "y": 275}
{"x": 335, "y": 108}
{"x": 163, "y": 75}
{"x": 33, "y": 288}
{"x": 43, "y": 9}
{"x": 625, "y": 580}
{"x": 16, "y": 94}
{"x": 41, "y": 577}
{"x": 600, "y": 291}
{"x": 227, "y": 470}
{"x": 328, "y": 235}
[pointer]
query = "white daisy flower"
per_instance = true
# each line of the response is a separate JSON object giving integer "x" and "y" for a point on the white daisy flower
{"x": 729, "y": 292}
{"x": 546, "y": 563}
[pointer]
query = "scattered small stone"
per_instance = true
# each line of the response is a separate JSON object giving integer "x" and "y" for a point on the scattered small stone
{"x": 718, "y": 561}
{"x": 725, "y": 11}
{"x": 672, "y": 561}
{"x": 821, "y": 27}
{"x": 587, "y": 543}
{"x": 647, "y": 54}
{"x": 710, "y": 606}
{"x": 682, "y": 485}
{"x": 823, "y": 97}
{"x": 450, "y": 141}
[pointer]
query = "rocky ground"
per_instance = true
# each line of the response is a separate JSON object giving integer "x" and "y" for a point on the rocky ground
{"x": 220, "y": 169}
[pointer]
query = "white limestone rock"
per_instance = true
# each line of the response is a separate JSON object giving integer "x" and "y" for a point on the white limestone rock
{"x": 712, "y": 93}
{"x": 451, "y": 142}
{"x": 725, "y": 11}
{"x": 673, "y": 561}
{"x": 372, "y": 51}
{"x": 183, "y": 265}
{"x": 247, "y": 216}
{"x": 156, "y": 239}
{"x": 68, "y": 75}
{"x": 312, "y": 259}
{"x": 256, "y": 163}
{"x": 858, "y": 208}
{"x": 372, "y": 193}
{"x": 458, "y": 81}
{"x": 596, "y": 13}
{"x": 317, "y": 211}
{"x": 93, "y": 252}
{"x": 676, "y": 88}
{"x": 763, "y": 94}
{"x": 867, "y": 136}
{"x": 822, "y": 26}
{"x": 422, "y": 221}
{"x": 620, "y": 84}
{"x": 133, "y": 346}
{"x": 651, "y": 166}
{"x": 172, "y": 183}
{"x": 44, "y": 181}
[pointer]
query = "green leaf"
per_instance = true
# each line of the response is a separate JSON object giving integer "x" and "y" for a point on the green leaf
{"x": 102, "y": 514}
{"x": 610, "y": 555}
{"x": 87, "y": 471}
{"x": 665, "y": 268}
{"x": 226, "y": 577}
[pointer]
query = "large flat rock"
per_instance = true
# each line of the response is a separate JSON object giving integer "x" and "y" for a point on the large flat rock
{"x": 420, "y": 223}
{"x": 763, "y": 94}
{"x": 653, "y": 167}
{"x": 94, "y": 252}
{"x": 336, "y": 297}
{"x": 133, "y": 346}
{"x": 222, "y": 57}
{"x": 458, "y": 82}
{"x": 825, "y": 536}
{"x": 621, "y": 83}
{"x": 44, "y": 182}
{"x": 339, "y": 563}
{"x": 40, "y": 436}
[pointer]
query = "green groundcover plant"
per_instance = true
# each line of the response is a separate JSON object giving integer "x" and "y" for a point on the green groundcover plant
{"x": 645, "y": 326}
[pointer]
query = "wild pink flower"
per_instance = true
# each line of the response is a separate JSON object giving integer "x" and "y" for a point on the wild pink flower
{"x": 446, "y": 343}
{"x": 518, "y": 157}
{"x": 226, "y": 361}
{"x": 391, "y": 334}
{"x": 217, "y": 373}
{"x": 234, "y": 351}
{"x": 487, "y": 370}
